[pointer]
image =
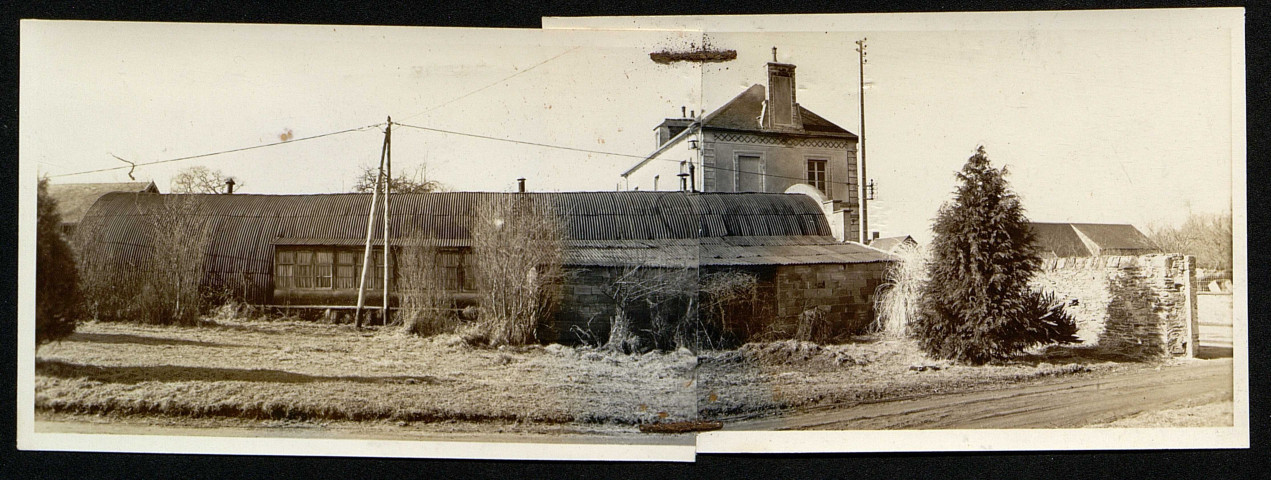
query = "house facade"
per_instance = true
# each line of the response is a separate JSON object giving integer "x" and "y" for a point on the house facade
{"x": 760, "y": 141}
{"x": 306, "y": 251}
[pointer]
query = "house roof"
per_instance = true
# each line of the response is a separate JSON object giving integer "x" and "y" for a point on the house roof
{"x": 743, "y": 112}
{"x": 599, "y": 225}
{"x": 1065, "y": 239}
{"x": 74, "y": 199}
{"x": 888, "y": 243}
{"x": 1115, "y": 236}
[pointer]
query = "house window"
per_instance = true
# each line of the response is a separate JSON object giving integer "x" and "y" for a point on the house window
{"x": 344, "y": 270}
{"x": 816, "y": 175}
{"x": 283, "y": 271}
{"x": 749, "y": 173}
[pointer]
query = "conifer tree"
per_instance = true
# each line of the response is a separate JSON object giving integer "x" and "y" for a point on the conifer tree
{"x": 57, "y": 296}
{"x": 977, "y": 306}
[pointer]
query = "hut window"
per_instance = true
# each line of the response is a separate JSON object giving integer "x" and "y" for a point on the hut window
{"x": 344, "y": 271}
{"x": 323, "y": 278}
{"x": 376, "y": 274}
{"x": 283, "y": 275}
{"x": 377, "y": 282}
{"x": 304, "y": 269}
{"x": 451, "y": 270}
{"x": 468, "y": 272}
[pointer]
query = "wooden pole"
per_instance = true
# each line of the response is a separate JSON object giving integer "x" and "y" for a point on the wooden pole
{"x": 370, "y": 232}
{"x": 388, "y": 190}
{"x": 863, "y": 177}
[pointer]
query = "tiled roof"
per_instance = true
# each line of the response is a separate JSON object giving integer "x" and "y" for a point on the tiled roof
{"x": 1115, "y": 236}
{"x": 743, "y": 111}
{"x": 1065, "y": 239}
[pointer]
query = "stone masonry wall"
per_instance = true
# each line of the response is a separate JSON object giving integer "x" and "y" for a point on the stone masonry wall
{"x": 1139, "y": 306}
{"x": 844, "y": 292}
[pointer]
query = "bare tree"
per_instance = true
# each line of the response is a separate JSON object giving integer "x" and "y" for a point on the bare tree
{"x": 158, "y": 283}
{"x": 181, "y": 235}
{"x": 417, "y": 182}
{"x": 199, "y": 179}
{"x": 663, "y": 297}
{"x": 518, "y": 246}
{"x": 729, "y": 299}
{"x": 425, "y": 293}
{"x": 1205, "y": 236}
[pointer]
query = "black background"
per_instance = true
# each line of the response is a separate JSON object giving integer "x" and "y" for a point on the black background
{"x": 1211, "y": 464}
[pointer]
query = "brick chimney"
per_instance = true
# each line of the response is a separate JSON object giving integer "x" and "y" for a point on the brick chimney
{"x": 782, "y": 109}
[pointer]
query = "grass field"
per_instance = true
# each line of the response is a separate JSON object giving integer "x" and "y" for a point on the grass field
{"x": 305, "y": 371}
{"x": 761, "y": 379}
{"x": 283, "y": 372}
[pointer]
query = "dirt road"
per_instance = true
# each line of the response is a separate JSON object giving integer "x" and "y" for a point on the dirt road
{"x": 1064, "y": 404}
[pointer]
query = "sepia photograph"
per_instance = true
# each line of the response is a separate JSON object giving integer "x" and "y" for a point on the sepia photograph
{"x": 635, "y": 238}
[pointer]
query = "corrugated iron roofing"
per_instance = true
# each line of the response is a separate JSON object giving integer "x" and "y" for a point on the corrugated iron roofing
{"x": 599, "y": 226}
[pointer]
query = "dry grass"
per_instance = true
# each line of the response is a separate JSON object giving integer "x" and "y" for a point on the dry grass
{"x": 304, "y": 371}
{"x": 763, "y": 378}
{"x": 1215, "y": 414}
{"x": 899, "y": 296}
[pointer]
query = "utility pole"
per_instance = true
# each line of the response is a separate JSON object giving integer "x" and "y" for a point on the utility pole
{"x": 864, "y": 234}
{"x": 370, "y": 232}
{"x": 388, "y": 191}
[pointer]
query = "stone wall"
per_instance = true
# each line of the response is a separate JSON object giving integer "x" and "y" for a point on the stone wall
{"x": 843, "y": 295}
{"x": 1139, "y": 306}
{"x": 844, "y": 292}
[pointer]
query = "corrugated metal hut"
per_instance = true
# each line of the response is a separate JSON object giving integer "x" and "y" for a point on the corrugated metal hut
{"x": 303, "y": 250}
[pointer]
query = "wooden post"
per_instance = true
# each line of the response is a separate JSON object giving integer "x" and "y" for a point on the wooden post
{"x": 370, "y": 232}
{"x": 388, "y": 190}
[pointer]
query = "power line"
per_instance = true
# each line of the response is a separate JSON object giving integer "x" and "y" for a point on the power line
{"x": 203, "y": 155}
{"x": 521, "y": 142}
{"x": 601, "y": 152}
{"x": 504, "y": 79}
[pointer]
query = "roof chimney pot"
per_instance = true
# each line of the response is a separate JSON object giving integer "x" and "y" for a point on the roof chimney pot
{"x": 229, "y": 186}
{"x": 520, "y": 184}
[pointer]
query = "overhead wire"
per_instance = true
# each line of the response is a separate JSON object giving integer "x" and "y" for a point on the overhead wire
{"x": 501, "y": 80}
{"x": 602, "y": 152}
{"x": 222, "y": 152}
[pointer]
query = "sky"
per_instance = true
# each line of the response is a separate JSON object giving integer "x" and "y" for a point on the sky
{"x": 1103, "y": 118}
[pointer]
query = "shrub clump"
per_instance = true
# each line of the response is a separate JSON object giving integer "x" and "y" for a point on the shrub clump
{"x": 58, "y": 301}
{"x": 977, "y": 306}
{"x": 518, "y": 248}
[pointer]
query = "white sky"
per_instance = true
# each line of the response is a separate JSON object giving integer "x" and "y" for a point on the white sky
{"x": 1102, "y": 120}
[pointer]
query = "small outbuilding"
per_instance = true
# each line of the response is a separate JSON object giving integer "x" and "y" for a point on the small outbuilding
{"x": 890, "y": 244}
